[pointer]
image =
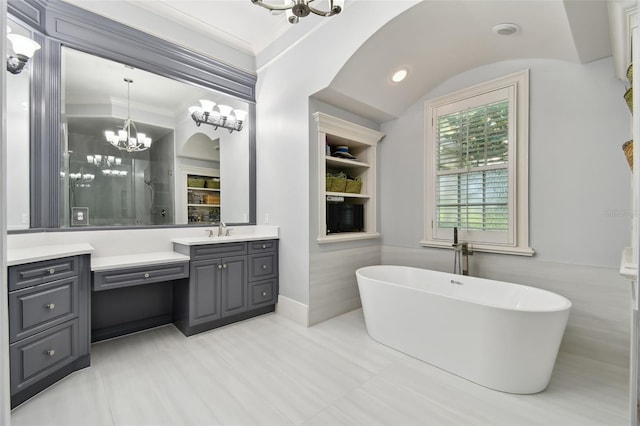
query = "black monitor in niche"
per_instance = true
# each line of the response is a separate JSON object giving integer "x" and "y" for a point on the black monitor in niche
{"x": 344, "y": 217}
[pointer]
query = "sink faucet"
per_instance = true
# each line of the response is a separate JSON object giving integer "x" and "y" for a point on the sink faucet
{"x": 222, "y": 229}
{"x": 210, "y": 232}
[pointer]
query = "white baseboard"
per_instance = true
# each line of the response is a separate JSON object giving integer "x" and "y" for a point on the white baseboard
{"x": 293, "y": 310}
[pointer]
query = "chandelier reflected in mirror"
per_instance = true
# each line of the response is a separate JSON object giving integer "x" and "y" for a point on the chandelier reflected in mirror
{"x": 217, "y": 115}
{"x": 296, "y": 9}
{"x": 127, "y": 138}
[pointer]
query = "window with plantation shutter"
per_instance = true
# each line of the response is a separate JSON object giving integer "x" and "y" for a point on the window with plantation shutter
{"x": 476, "y": 154}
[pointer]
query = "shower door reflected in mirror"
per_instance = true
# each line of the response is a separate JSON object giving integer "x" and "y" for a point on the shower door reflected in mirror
{"x": 107, "y": 187}
{"x": 110, "y": 186}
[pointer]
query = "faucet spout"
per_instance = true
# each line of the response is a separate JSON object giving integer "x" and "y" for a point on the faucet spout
{"x": 222, "y": 229}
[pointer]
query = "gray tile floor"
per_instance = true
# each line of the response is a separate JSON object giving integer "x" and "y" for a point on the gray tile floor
{"x": 270, "y": 371}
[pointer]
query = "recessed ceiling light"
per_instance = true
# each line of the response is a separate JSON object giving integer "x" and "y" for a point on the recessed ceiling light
{"x": 506, "y": 29}
{"x": 399, "y": 75}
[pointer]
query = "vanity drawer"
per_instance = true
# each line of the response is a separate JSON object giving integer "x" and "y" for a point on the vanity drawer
{"x": 263, "y": 266}
{"x": 30, "y": 274}
{"x": 263, "y": 246}
{"x": 116, "y": 278}
{"x": 209, "y": 251}
{"x": 36, "y": 357}
{"x": 263, "y": 293}
{"x": 35, "y": 309}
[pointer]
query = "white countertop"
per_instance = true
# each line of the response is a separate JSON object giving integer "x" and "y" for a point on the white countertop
{"x": 34, "y": 254}
{"x": 105, "y": 263}
{"x": 194, "y": 241}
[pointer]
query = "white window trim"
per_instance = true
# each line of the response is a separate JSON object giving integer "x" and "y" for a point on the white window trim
{"x": 519, "y": 244}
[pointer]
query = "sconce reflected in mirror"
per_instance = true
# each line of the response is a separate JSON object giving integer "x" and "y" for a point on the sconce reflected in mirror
{"x": 24, "y": 48}
{"x": 218, "y": 115}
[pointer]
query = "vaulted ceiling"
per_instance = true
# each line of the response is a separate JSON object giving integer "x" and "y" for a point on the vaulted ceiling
{"x": 434, "y": 40}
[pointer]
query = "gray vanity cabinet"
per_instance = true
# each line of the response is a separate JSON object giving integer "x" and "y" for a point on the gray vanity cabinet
{"x": 228, "y": 282}
{"x": 48, "y": 323}
{"x": 217, "y": 288}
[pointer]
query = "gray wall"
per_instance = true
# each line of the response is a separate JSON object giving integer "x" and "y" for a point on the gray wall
{"x": 579, "y": 197}
{"x": 579, "y": 181}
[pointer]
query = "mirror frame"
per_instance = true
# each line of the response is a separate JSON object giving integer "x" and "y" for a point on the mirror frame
{"x": 55, "y": 24}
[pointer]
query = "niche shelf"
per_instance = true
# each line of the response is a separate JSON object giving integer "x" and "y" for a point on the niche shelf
{"x": 362, "y": 143}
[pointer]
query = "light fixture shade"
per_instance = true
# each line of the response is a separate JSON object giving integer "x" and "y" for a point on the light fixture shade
{"x": 225, "y": 110}
{"x": 207, "y": 106}
{"x": 23, "y": 45}
{"x": 240, "y": 114}
{"x": 122, "y": 135}
{"x": 193, "y": 109}
{"x": 90, "y": 159}
{"x": 118, "y": 161}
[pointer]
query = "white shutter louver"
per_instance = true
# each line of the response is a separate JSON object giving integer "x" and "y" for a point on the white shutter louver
{"x": 472, "y": 170}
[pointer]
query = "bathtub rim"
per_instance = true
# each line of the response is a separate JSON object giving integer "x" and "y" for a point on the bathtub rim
{"x": 566, "y": 306}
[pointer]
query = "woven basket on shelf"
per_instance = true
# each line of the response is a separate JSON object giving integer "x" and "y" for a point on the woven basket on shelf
{"x": 630, "y": 73}
{"x": 336, "y": 182}
{"x": 213, "y": 183}
{"x": 627, "y": 147}
{"x": 353, "y": 186}
{"x": 628, "y": 96}
{"x": 212, "y": 198}
{"x": 339, "y": 183}
{"x": 195, "y": 182}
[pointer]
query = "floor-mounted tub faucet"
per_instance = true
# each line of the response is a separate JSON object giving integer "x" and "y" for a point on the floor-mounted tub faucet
{"x": 462, "y": 251}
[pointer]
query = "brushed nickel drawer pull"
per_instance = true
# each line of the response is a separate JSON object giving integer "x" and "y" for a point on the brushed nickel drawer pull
{"x": 51, "y": 352}
{"x": 264, "y": 294}
{"x": 146, "y": 275}
{"x": 50, "y": 306}
{"x": 224, "y": 266}
{"x": 264, "y": 266}
{"x": 52, "y": 271}
{"x": 219, "y": 266}
{"x": 264, "y": 246}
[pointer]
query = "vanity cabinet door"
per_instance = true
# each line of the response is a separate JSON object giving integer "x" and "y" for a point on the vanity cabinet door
{"x": 205, "y": 291}
{"x": 234, "y": 285}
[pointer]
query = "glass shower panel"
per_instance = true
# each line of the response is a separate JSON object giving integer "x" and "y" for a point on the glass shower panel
{"x": 109, "y": 187}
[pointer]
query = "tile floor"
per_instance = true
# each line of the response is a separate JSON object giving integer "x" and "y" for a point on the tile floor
{"x": 271, "y": 371}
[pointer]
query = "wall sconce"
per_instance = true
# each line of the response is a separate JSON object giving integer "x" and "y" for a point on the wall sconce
{"x": 218, "y": 115}
{"x": 104, "y": 161}
{"x": 24, "y": 48}
{"x": 82, "y": 180}
{"x": 109, "y": 172}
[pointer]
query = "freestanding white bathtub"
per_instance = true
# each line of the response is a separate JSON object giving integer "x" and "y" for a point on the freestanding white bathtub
{"x": 500, "y": 335}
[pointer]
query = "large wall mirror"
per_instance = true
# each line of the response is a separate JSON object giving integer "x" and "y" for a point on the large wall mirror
{"x": 187, "y": 173}
{"x": 129, "y": 130}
